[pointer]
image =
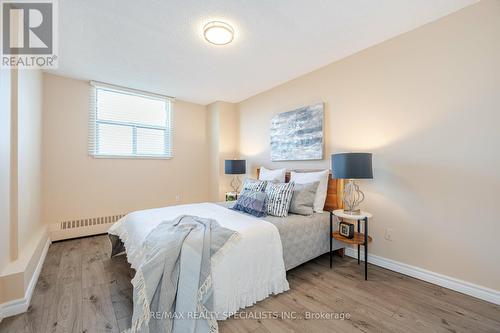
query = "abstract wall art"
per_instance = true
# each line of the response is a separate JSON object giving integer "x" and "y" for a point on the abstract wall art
{"x": 298, "y": 135}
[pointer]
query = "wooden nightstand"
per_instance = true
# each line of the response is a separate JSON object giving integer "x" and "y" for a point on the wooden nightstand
{"x": 358, "y": 239}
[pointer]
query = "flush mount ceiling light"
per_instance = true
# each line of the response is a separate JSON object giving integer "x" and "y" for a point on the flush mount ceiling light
{"x": 218, "y": 33}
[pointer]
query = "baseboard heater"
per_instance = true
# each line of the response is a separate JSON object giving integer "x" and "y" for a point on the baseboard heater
{"x": 82, "y": 227}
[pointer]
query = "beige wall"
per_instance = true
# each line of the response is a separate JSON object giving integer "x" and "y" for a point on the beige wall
{"x": 223, "y": 124}
{"x": 213, "y": 130}
{"x": 76, "y": 185}
{"x": 29, "y": 154}
{"x": 23, "y": 233}
{"x": 5, "y": 93}
{"x": 427, "y": 105}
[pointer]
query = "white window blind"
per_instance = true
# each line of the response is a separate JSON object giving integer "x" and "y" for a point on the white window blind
{"x": 128, "y": 123}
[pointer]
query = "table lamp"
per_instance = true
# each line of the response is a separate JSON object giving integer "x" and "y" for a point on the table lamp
{"x": 352, "y": 166}
{"x": 235, "y": 167}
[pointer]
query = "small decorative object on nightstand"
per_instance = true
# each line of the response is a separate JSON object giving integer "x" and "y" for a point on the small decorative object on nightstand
{"x": 231, "y": 196}
{"x": 358, "y": 238}
{"x": 346, "y": 229}
{"x": 235, "y": 167}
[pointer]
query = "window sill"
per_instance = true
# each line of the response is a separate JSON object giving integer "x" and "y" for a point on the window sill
{"x": 142, "y": 157}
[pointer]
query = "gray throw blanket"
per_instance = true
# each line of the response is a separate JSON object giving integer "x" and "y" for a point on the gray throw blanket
{"x": 173, "y": 286}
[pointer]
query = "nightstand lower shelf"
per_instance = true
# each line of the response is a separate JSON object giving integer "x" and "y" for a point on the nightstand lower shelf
{"x": 359, "y": 238}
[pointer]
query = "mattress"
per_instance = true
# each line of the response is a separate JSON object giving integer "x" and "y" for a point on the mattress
{"x": 303, "y": 237}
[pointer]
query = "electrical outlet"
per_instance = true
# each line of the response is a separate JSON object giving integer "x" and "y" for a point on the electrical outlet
{"x": 388, "y": 234}
{"x": 177, "y": 197}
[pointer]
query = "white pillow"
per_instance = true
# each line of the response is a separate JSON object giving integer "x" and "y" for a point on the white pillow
{"x": 277, "y": 175}
{"x": 310, "y": 177}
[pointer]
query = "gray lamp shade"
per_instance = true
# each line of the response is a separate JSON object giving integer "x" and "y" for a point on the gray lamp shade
{"x": 235, "y": 167}
{"x": 352, "y": 166}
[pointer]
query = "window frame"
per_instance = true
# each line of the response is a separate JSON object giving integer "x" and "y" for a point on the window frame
{"x": 94, "y": 123}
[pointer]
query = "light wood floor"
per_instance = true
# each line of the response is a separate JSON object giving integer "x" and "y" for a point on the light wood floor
{"x": 81, "y": 289}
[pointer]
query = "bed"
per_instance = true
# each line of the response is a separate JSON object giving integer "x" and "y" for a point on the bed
{"x": 304, "y": 237}
{"x": 307, "y": 237}
{"x": 255, "y": 267}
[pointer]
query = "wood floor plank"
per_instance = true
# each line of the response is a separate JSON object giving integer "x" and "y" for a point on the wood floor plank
{"x": 97, "y": 313}
{"x": 122, "y": 302}
{"x": 118, "y": 272}
{"x": 82, "y": 289}
{"x": 70, "y": 265}
{"x": 38, "y": 313}
{"x": 237, "y": 326}
{"x": 98, "y": 246}
{"x": 319, "y": 300}
{"x": 53, "y": 259}
{"x": 65, "y": 311}
{"x": 124, "y": 323}
{"x": 93, "y": 272}
{"x": 442, "y": 312}
{"x": 18, "y": 324}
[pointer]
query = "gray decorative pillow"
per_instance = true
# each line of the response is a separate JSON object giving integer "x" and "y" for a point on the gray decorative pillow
{"x": 254, "y": 185}
{"x": 252, "y": 202}
{"x": 303, "y": 198}
{"x": 279, "y": 196}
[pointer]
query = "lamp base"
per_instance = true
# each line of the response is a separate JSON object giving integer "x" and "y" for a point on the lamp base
{"x": 352, "y": 198}
{"x": 352, "y": 211}
{"x": 235, "y": 184}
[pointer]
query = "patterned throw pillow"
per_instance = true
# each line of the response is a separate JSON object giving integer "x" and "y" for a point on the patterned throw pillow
{"x": 252, "y": 202}
{"x": 254, "y": 185}
{"x": 279, "y": 196}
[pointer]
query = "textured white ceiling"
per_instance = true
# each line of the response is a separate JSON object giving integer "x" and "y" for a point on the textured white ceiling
{"x": 157, "y": 45}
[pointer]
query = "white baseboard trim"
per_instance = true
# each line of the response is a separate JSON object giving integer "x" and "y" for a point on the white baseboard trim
{"x": 461, "y": 286}
{"x": 21, "y": 305}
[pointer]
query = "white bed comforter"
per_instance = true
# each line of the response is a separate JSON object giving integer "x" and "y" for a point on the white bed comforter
{"x": 248, "y": 272}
